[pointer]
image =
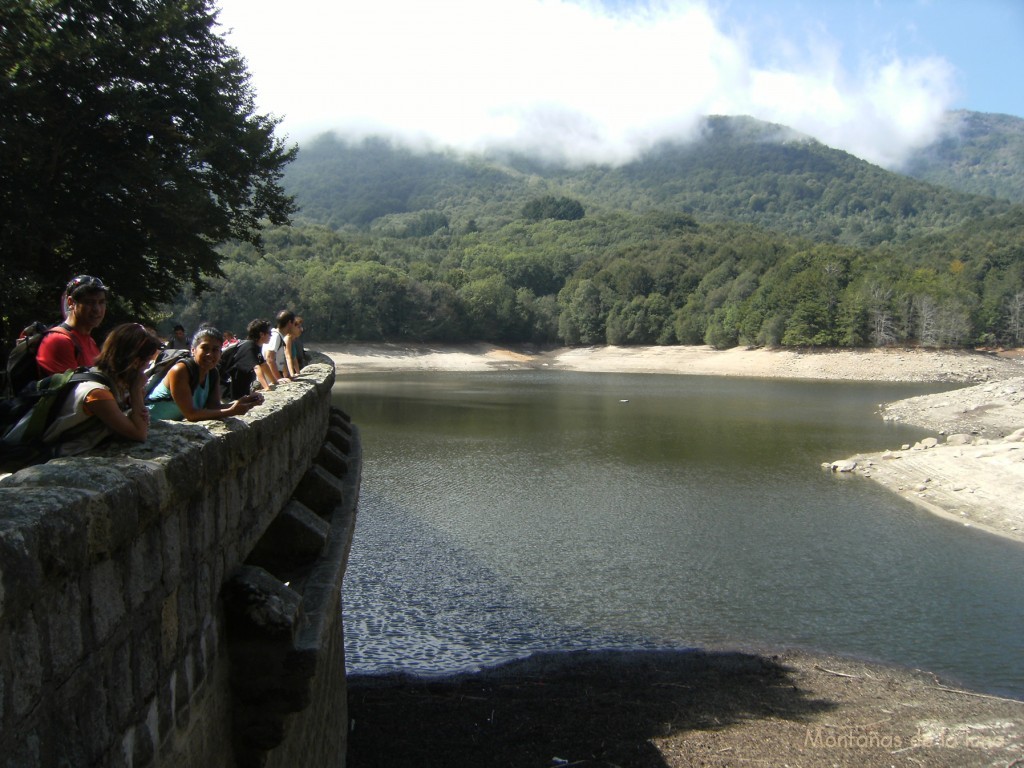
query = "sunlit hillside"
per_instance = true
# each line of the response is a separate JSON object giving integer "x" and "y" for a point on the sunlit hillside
{"x": 751, "y": 235}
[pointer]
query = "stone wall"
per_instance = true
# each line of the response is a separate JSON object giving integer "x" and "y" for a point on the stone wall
{"x": 177, "y": 602}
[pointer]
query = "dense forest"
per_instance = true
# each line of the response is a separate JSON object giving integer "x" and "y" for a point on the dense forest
{"x": 977, "y": 152}
{"x": 751, "y": 235}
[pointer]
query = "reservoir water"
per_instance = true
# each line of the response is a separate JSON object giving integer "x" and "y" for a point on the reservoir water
{"x": 504, "y": 513}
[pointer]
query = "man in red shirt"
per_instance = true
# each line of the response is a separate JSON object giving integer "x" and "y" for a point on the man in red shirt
{"x": 70, "y": 344}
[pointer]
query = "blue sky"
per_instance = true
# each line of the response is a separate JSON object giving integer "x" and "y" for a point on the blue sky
{"x": 603, "y": 79}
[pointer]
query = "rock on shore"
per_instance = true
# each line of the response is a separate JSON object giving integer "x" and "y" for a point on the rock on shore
{"x": 975, "y": 475}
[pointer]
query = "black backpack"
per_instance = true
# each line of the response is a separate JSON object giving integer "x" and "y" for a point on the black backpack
{"x": 21, "y": 368}
{"x": 25, "y": 418}
{"x": 234, "y": 382}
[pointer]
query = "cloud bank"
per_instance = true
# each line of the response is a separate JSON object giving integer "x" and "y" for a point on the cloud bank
{"x": 579, "y": 81}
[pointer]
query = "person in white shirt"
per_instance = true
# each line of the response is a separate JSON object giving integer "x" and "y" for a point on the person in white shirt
{"x": 274, "y": 350}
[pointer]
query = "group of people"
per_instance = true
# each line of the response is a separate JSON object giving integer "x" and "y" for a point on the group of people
{"x": 117, "y": 401}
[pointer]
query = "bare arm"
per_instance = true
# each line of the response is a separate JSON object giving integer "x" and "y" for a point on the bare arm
{"x": 133, "y": 425}
{"x": 181, "y": 392}
{"x": 265, "y": 377}
{"x": 271, "y": 364}
{"x": 289, "y": 354}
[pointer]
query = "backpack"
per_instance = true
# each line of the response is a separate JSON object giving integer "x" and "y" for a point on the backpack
{"x": 166, "y": 360}
{"x": 233, "y": 383}
{"x": 25, "y": 418}
{"x": 22, "y": 369}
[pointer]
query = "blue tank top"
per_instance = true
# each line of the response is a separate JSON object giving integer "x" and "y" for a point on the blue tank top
{"x": 164, "y": 406}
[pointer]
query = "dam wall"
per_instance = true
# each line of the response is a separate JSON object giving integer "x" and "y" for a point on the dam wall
{"x": 177, "y": 602}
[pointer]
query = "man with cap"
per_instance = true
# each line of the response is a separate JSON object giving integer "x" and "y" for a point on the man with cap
{"x": 70, "y": 344}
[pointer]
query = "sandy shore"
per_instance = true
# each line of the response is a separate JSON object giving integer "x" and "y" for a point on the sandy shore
{"x": 972, "y": 470}
{"x": 867, "y": 365}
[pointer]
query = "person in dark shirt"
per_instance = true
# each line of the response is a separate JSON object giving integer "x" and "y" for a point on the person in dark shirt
{"x": 249, "y": 365}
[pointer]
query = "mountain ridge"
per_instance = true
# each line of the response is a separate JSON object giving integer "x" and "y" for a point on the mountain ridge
{"x": 752, "y": 235}
{"x": 740, "y": 169}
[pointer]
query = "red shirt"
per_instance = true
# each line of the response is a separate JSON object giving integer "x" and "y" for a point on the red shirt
{"x": 57, "y": 352}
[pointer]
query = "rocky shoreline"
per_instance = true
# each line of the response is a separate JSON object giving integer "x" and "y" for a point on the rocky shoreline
{"x": 972, "y": 470}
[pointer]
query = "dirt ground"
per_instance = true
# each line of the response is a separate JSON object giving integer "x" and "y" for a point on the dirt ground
{"x": 676, "y": 709}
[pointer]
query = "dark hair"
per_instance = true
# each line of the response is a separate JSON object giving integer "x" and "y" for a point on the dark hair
{"x": 123, "y": 347}
{"x": 256, "y": 328}
{"x": 84, "y": 284}
{"x": 206, "y": 331}
{"x": 284, "y": 317}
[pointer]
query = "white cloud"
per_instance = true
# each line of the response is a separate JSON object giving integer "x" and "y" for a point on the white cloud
{"x": 571, "y": 78}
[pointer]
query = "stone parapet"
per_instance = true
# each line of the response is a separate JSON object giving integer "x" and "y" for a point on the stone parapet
{"x": 120, "y": 641}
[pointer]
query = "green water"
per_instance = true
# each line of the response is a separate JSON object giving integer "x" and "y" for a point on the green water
{"x": 505, "y": 513}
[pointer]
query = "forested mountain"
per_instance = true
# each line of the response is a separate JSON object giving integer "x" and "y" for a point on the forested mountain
{"x": 978, "y": 153}
{"x": 740, "y": 170}
{"x": 750, "y": 235}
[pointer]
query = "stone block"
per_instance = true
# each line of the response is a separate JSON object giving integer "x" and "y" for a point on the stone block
{"x": 144, "y": 739}
{"x": 295, "y": 538}
{"x": 200, "y": 521}
{"x": 320, "y": 491}
{"x": 64, "y": 629}
{"x": 106, "y": 599}
{"x": 341, "y": 440}
{"x": 149, "y": 488}
{"x": 169, "y": 629}
{"x": 197, "y": 661}
{"x": 332, "y": 459}
{"x": 91, "y": 719}
{"x": 119, "y": 686}
{"x": 187, "y": 621}
{"x": 25, "y": 751}
{"x": 182, "y": 693}
{"x": 234, "y": 504}
{"x": 205, "y": 597}
{"x": 341, "y": 421}
{"x": 25, "y": 660}
{"x": 170, "y": 543}
{"x": 21, "y": 571}
{"x": 42, "y": 533}
{"x": 145, "y": 565}
{"x": 146, "y": 661}
{"x": 165, "y": 709}
{"x": 259, "y": 606}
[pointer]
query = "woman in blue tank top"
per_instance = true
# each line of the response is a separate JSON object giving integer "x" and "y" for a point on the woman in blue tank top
{"x": 191, "y": 389}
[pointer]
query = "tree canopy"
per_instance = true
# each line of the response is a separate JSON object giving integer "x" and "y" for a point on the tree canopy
{"x": 130, "y": 147}
{"x": 747, "y": 236}
{"x": 626, "y": 278}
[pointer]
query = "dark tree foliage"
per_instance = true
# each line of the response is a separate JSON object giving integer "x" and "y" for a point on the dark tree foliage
{"x": 129, "y": 148}
{"x": 551, "y": 207}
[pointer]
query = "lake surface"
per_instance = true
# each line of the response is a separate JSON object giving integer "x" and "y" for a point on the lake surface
{"x": 504, "y": 513}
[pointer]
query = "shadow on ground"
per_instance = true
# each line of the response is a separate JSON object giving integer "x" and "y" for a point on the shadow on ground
{"x": 579, "y": 709}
